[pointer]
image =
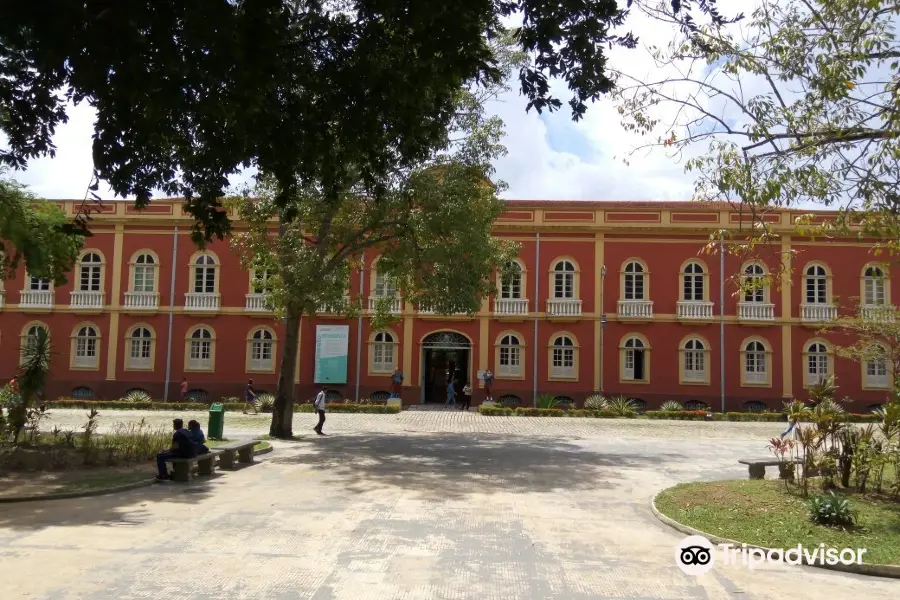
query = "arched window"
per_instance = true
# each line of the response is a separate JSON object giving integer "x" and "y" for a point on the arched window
{"x": 562, "y": 364}
{"x": 86, "y": 351}
{"x": 31, "y": 335}
{"x": 816, "y": 363}
{"x": 755, "y": 367}
{"x": 634, "y": 281}
{"x": 144, "y": 274}
{"x": 509, "y": 363}
{"x": 511, "y": 282}
{"x": 876, "y": 369}
{"x": 564, "y": 280}
{"x": 90, "y": 276}
{"x": 383, "y": 352}
{"x": 262, "y": 355}
{"x": 693, "y": 283}
{"x": 816, "y": 285}
{"x": 694, "y": 361}
{"x": 204, "y": 274}
{"x": 873, "y": 286}
{"x": 140, "y": 351}
{"x": 635, "y": 364}
{"x": 200, "y": 350}
{"x": 754, "y": 283}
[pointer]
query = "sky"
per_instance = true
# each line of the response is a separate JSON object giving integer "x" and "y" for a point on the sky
{"x": 550, "y": 157}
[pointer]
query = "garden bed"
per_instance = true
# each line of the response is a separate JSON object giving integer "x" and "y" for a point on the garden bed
{"x": 73, "y": 480}
{"x": 204, "y": 406}
{"x": 765, "y": 513}
{"x": 683, "y": 415}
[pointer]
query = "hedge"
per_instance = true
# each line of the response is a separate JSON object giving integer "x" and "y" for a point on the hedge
{"x": 203, "y": 406}
{"x": 374, "y": 409}
{"x": 677, "y": 415}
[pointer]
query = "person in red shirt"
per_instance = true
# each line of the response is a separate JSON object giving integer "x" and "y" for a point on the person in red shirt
{"x": 184, "y": 389}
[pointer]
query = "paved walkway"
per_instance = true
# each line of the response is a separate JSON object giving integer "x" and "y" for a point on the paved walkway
{"x": 404, "y": 511}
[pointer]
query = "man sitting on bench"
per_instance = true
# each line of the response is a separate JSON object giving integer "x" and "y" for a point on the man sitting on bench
{"x": 182, "y": 447}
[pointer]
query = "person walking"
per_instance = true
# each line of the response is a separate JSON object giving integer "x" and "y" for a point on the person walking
{"x": 488, "y": 382}
{"x": 451, "y": 395}
{"x": 397, "y": 380}
{"x": 184, "y": 389}
{"x": 466, "y": 397}
{"x": 250, "y": 398}
{"x": 319, "y": 405}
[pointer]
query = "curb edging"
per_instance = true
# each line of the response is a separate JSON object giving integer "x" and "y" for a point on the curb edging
{"x": 889, "y": 571}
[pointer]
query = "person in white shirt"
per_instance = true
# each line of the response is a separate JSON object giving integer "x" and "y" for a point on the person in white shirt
{"x": 319, "y": 405}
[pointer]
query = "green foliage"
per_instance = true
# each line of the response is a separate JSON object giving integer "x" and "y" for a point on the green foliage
{"x": 832, "y": 510}
{"x": 595, "y": 402}
{"x": 546, "y": 401}
{"x": 137, "y": 396}
{"x": 622, "y": 406}
{"x": 677, "y": 414}
{"x": 671, "y": 406}
{"x": 374, "y": 409}
{"x": 495, "y": 411}
{"x": 539, "y": 412}
{"x": 37, "y": 233}
{"x": 265, "y": 402}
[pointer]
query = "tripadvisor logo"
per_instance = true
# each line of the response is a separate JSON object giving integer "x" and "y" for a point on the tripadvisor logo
{"x": 696, "y": 555}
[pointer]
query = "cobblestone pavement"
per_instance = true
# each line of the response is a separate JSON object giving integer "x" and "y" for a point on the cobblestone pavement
{"x": 555, "y": 508}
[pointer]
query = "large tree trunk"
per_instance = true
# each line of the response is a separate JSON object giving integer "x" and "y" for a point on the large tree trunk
{"x": 283, "y": 411}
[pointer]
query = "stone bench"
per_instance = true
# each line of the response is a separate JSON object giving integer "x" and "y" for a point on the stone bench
{"x": 181, "y": 467}
{"x": 243, "y": 450}
{"x": 757, "y": 466}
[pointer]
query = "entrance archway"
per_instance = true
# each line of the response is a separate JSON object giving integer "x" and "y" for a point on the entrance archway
{"x": 445, "y": 355}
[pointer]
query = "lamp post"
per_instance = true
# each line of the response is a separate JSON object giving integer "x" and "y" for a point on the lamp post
{"x": 602, "y": 321}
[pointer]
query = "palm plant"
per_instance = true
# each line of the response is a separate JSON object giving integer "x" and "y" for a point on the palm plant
{"x": 32, "y": 378}
{"x": 824, "y": 389}
{"x": 671, "y": 406}
{"x": 622, "y": 406}
{"x": 796, "y": 410}
{"x": 595, "y": 402}
{"x": 137, "y": 396}
{"x": 546, "y": 400}
{"x": 890, "y": 419}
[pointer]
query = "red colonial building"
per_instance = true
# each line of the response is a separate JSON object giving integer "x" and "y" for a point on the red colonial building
{"x": 611, "y": 296}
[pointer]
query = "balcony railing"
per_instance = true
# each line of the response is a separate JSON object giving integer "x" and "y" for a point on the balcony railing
{"x": 563, "y": 307}
{"x": 756, "y": 311}
{"x": 82, "y": 300}
{"x": 694, "y": 310}
{"x": 877, "y": 312}
{"x": 36, "y": 299}
{"x": 510, "y": 306}
{"x": 635, "y": 309}
{"x": 818, "y": 313}
{"x": 201, "y": 302}
{"x": 424, "y": 309}
{"x": 334, "y": 309}
{"x": 256, "y": 303}
{"x": 141, "y": 300}
{"x": 395, "y": 304}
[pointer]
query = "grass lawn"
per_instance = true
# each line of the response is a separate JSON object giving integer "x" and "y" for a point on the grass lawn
{"x": 259, "y": 445}
{"x": 71, "y": 481}
{"x": 762, "y": 512}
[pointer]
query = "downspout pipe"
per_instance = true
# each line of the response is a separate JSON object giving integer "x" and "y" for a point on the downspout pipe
{"x": 537, "y": 305}
{"x": 722, "y": 317}
{"x": 359, "y": 323}
{"x": 171, "y": 314}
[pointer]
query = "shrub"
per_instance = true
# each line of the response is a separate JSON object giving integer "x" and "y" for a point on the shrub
{"x": 137, "y": 396}
{"x": 373, "y": 409}
{"x": 265, "y": 402}
{"x": 595, "y": 402}
{"x": 539, "y": 412}
{"x": 546, "y": 401}
{"x": 622, "y": 406}
{"x": 832, "y": 510}
{"x": 495, "y": 411}
{"x": 680, "y": 415}
{"x": 671, "y": 406}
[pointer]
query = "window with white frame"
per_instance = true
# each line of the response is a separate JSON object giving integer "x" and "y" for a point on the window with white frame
{"x": 86, "y": 347}
{"x": 90, "y": 276}
{"x": 873, "y": 286}
{"x": 511, "y": 282}
{"x": 261, "y": 354}
{"x": 694, "y": 361}
{"x": 38, "y": 284}
{"x": 876, "y": 374}
{"x": 200, "y": 350}
{"x": 144, "y": 280}
{"x": 634, "y": 281}
{"x": 755, "y": 363}
{"x": 816, "y": 363}
{"x": 692, "y": 283}
{"x": 754, "y": 283}
{"x": 383, "y": 352}
{"x": 204, "y": 274}
{"x": 635, "y": 363}
{"x": 563, "y": 358}
{"x": 510, "y": 359}
{"x": 564, "y": 280}
{"x": 816, "y": 285}
{"x": 140, "y": 352}
{"x": 384, "y": 286}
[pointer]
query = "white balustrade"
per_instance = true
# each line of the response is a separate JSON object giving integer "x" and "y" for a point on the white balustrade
{"x": 81, "y": 300}
{"x": 877, "y": 312}
{"x": 694, "y": 310}
{"x": 818, "y": 313}
{"x": 564, "y": 307}
{"x": 201, "y": 302}
{"x": 395, "y": 303}
{"x": 756, "y": 311}
{"x": 36, "y": 299}
{"x": 329, "y": 309}
{"x": 635, "y": 309}
{"x": 256, "y": 303}
{"x": 510, "y": 306}
{"x": 141, "y": 300}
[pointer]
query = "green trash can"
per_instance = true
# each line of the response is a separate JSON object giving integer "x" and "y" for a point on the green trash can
{"x": 216, "y": 421}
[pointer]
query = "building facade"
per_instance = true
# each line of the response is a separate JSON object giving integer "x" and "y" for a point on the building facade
{"x": 619, "y": 297}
